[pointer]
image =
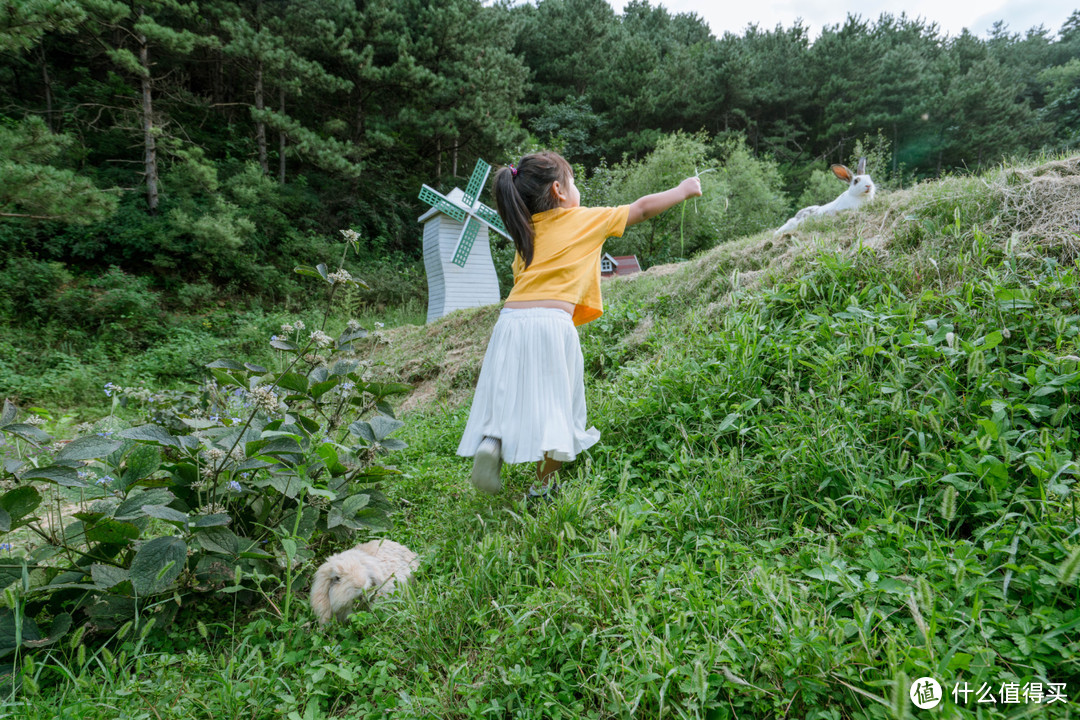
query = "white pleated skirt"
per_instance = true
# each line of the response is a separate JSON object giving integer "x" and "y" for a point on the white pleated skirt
{"x": 531, "y": 391}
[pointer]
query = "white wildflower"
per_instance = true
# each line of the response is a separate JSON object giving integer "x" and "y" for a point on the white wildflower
{"x": 299, "y": 325}
{"x": 263, "y": 398}
{"x": 340, "y": 276}
{"x": 321, "y": 339}
{"x": 215, "y": 454}
{"x": 287, "y": 329}
{"x": 351, "y": 235}
{"x": 353, "y": 325}
{"x": 35, "y": 420}
{"x": 379, "y": 325}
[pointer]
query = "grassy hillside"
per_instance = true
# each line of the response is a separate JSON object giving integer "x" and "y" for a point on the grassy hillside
{"x": 831, "y": 464}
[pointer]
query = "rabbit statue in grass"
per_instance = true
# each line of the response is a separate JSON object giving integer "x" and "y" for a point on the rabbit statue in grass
{"x": 860, "y": 190}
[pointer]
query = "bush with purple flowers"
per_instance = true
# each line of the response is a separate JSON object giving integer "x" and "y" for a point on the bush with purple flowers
{"x": 239, "y": 479}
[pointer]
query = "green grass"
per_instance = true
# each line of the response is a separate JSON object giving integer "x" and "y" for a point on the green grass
{"x": 848, "y": 468}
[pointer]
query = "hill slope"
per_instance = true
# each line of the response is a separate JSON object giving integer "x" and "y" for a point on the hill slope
{"x": 830, "y": 464}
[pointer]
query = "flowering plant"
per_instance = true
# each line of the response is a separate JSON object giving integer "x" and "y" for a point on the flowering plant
{"x": 220, "y": 488}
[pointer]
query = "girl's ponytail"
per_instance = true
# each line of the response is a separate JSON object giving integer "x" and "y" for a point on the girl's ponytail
{"x": 514, "y": 213}
{"x": 523, "y": 191}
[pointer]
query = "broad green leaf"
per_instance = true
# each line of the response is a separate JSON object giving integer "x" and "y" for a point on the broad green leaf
{"x": 8, "y": 640}
{"x": 226, "y": 365}
{"x": 60, "y": 625}
{"x": 991, "y": 341}
{"x": 205, "y": 521}
{"x": 255, "y": 368}
{"x": 151, "y": 434}
{"x": 166, "y": 513}
{"x": 11, "y": 570}
{"x": 227, "y": 379}
{"x": 383, "y": 426}
{"x": 198, "y": 424}
{"x": 59, "y": 474}
{"x": 362, "y": 429}
{"x": 218, "y": 539}
{"x": 344, "y": 367}
{"x": 350, "y": 335}
{"x": 320, "y": 389}
{"x": 354, "y": 503}
{"x": 90, "y": 447}
{"x": 393, "y": 444}
{"x": 107, "y": 576}
{"x": 280, "y": 344}
{"x": 132, "y": 505}
{"x": 5, "y": 520}
{"x": 381, "y": 390}
{"x": 292, "y": 381}
{"x": 157, "y": 564}
{"x": 31, "y": 433}
{"x": 142, "y": 462}
{"x": 12, "y": 465}
{"x": 9, "y": 413}
{"x": 109, "y": 531}
{"x": 318, "y": 375}
{"x": 20, "y": 502}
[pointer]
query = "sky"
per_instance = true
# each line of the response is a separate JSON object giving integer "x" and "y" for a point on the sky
{"x": 951, "y": 17}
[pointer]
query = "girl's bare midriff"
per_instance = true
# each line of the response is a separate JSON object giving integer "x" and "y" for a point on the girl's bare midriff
{"x": 557, "y": 304}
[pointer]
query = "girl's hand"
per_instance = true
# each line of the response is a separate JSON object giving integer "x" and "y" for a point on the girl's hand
{"x": 691, "y": 187}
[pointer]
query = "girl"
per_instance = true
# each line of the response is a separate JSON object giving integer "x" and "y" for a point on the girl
{"x": 529, "y": 404}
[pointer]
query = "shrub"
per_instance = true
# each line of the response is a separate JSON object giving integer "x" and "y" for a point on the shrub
{"x": 222, "y": 487}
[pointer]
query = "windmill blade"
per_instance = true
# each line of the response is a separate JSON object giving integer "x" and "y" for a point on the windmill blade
{"x": 476, "y": 183}
{"x": 442, "y": 203}
{"x": 465, "y": 242}
{"x": 491, "y": 219}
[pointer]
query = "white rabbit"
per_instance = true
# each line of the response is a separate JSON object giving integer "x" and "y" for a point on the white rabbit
{"x": 372, "y": 567}
{"x": 861, "y": 189}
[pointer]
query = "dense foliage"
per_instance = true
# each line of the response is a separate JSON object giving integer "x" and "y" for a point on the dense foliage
{"x": 213, "y": 141}
{"x": 825, "y": 471}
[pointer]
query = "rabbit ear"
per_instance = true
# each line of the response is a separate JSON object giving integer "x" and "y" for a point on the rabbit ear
{"x": 861, "y": 170}
{"x": 842, "y": 172}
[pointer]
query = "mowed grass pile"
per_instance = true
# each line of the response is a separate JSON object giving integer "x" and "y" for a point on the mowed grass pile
{"x": 830, "y": 465}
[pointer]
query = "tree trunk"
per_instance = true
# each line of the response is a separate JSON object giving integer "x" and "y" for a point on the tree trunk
{"x": 438, "y": 158}
{"x": 149, "y": 144}
{"x": 260, "y": 126}
{"x": 455, "y": 160}
{"x": 48, "y": 90}
{"x": 281, "y": 140}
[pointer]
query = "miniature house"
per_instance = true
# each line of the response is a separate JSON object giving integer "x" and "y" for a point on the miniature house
{"x": 613, "y": 266}
{"x": 457, "y": 256}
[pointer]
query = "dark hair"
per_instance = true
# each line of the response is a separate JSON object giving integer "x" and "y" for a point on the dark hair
{"x": 525, "y": 191}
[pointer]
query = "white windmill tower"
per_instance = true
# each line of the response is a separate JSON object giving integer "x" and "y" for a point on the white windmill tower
{"x": 457, "y": 255}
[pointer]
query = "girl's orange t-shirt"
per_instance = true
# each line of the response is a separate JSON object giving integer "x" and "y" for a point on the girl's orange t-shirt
{"x": 566, "y": 258}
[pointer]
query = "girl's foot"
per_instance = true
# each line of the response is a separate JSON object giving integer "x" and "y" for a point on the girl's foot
{"x": 487, "y": 462}
{"x": 547, "y": 492}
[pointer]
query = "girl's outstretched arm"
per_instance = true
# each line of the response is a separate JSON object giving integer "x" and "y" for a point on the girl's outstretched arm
{"x": 652, "y": 205}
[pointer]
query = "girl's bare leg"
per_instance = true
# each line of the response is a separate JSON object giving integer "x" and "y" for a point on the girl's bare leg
{"x": 545, "y": 469}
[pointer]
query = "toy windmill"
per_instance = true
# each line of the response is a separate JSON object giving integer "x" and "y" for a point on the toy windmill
{"x": 457, "y": 255}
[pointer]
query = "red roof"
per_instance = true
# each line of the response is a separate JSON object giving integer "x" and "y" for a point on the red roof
{"x": 621, "y": 265}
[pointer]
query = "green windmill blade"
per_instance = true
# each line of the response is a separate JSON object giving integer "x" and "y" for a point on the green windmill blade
{"x": 465, "y": 242}
{"x": 442, "y": 203}
{"x": 476, "y": 182}
{"x": 492, "y": 219}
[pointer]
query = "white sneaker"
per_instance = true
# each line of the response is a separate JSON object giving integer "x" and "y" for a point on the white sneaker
{"x": 487, "y": 462}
